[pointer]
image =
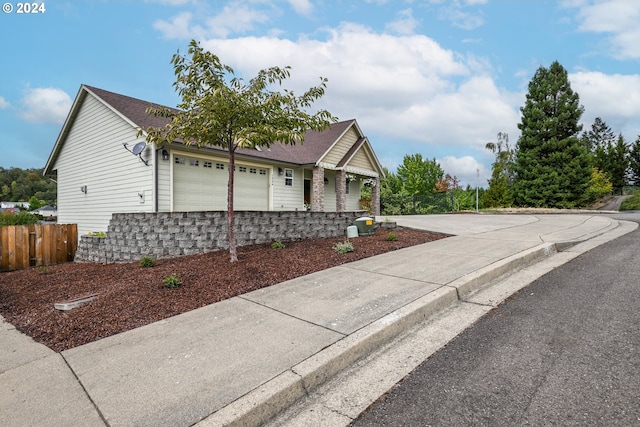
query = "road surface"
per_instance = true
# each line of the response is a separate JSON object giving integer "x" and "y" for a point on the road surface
{"x": 563, "y": 351}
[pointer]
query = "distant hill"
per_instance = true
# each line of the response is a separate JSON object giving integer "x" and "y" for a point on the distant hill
{"x": 22, "y": 185}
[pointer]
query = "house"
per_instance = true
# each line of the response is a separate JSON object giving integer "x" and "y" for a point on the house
{"x": 15, "y": 205}
{"x": 47, "y": 211}
{"x": 102, "y": 167}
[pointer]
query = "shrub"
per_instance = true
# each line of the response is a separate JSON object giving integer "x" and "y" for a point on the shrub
{"x": 277, "y": 245}
{"x": 171, "y": 282}
{"x": 632, "y": 203}
{"x": 392, "y": 237}
{"x": 20, "y": 218}
{"x": 343, "y": 247}
{"x": 147, "y": 262}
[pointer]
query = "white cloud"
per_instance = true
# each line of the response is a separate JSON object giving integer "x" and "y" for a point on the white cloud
{"x": 4, "y": 103}
{"x": 180, "y": 27}
{"x": 615, "y": 98}
{"x": 303, "y": 7}
{"x": 467, "y": 169}
{"x": 236, "y": 17}
{"x": 404, "y": 24}
{"x": 400, "y": 89}
{"x": 616, "y": 17}
{"x": 45, "y": 105}
{"x": 461, "y": 19}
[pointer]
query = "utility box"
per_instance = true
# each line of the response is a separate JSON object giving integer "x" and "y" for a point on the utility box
{"x": 365, "y": 226}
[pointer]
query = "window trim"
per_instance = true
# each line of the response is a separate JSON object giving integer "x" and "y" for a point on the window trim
{"x": 288, "y": 177}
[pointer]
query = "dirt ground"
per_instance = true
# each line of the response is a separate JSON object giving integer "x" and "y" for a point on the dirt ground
{"x": 130, "y": 296}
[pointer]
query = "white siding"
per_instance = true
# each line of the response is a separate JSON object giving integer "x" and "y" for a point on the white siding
{"x": 93, "y": 155}
{"x": 353, "y": 198}
{"x": 287, "y": 198}
{"x": 330, "y": 200}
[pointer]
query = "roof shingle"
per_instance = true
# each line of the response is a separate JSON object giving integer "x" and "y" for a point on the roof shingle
{"x": 314, "y": 146}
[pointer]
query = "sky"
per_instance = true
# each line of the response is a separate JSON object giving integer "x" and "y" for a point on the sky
{"x": 432, "y": 77}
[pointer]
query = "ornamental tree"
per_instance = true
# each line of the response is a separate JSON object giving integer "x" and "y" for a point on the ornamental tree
{"x": 418, "y": 175}
{"x": 221, "y": 110}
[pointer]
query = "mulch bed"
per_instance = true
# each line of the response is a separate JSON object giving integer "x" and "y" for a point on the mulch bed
{"x": 130, "y": 296}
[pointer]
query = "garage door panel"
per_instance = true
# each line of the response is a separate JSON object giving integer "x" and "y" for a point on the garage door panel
{"x": 202, "y": 185}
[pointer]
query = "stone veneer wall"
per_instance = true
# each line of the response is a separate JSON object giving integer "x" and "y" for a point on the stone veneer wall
{"x": 131, "y": 236}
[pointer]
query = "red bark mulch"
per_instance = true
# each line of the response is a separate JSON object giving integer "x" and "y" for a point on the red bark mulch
{"x": 130, "y": 296}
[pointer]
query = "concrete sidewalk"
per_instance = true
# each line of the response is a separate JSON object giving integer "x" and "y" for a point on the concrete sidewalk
{"x": 243, "y": 360}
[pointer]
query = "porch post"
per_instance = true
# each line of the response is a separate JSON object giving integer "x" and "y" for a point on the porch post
{"x": 317, "y": 189}
{"x": 375, "y": 197}
{"x": 341, "y": 191}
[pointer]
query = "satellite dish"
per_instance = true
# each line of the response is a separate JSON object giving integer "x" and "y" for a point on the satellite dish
{"x": 139, "y": 148}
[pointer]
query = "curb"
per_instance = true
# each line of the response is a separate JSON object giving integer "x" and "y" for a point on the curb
{"x": 271, "y": 398}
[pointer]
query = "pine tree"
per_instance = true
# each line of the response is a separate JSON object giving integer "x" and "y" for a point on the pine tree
{"x": 618, "y": 163}
{"x": 600, "y": 135}
{"x": 634, "y": 162}
{"x": 553, "y": 167}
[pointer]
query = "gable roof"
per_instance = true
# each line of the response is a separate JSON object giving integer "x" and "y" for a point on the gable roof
{"x": 315, "y": 146}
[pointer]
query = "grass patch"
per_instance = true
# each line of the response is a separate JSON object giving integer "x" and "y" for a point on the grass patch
{"x": 632, "y": 203}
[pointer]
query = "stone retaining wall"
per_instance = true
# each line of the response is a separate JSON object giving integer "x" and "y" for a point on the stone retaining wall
{"x": 132, "y": 236}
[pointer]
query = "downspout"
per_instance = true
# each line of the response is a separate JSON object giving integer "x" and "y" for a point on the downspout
{"x": 155, "y": 179}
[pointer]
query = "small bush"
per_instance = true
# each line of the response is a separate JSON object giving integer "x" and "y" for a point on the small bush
{"x": 343, "y": 247}
{"x": 277, "y": 245}
{"x": 97, "y": 234}
{"x": 171, "y": 282}
{"x": 20, "y": 218}
{"x": 392, "y": 237}
{"x": 147, "y": 262}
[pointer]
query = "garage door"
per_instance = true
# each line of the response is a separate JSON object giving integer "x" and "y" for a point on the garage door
{"x": 201, "y": 185}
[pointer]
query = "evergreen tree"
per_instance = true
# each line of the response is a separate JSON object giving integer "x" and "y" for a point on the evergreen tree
{"x": 634, "y": 162}
{"x": 618, "y": 163}
{"x": 600, "y": 135}
{"x": 553, "y": 167}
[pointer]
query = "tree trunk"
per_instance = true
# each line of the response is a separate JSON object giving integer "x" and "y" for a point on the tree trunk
{"x": 233, "y": 256}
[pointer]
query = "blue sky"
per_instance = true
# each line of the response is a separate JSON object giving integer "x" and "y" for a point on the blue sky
{"x": 439, "y": 78}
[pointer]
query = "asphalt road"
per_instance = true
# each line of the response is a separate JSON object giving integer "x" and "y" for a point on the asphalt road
{"x": 563, "y": 351}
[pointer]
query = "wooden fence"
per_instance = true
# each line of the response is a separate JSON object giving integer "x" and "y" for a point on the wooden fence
{"x": 23, "y": 246}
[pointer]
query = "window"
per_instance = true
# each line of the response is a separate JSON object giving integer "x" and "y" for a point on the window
{"x": 263, "y": 172}
{"x": 220, "y": 166}
{"x": 206, "y": 164}
{"x": 347, "y": 186}
{"x": 194, "y": 162}
{"x": 253, "y": 170}
{"x": 288, "y": 177}
{"x": 179, "y": 160}
{"x": 243, "y": 168}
